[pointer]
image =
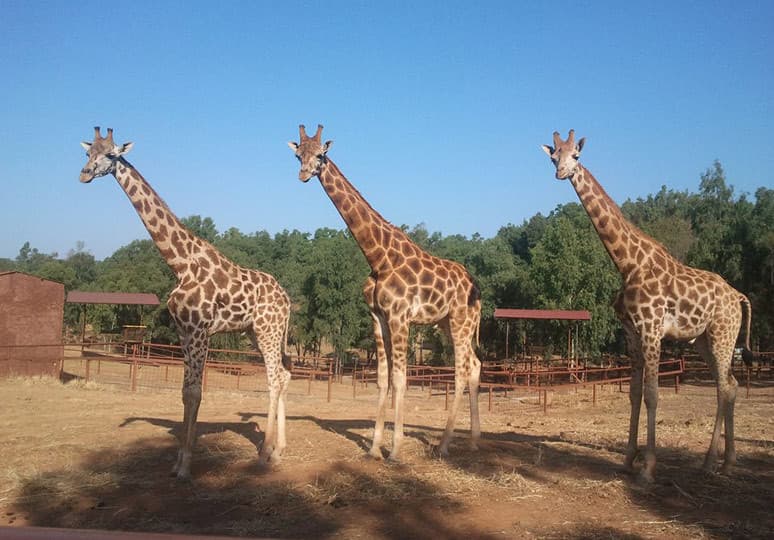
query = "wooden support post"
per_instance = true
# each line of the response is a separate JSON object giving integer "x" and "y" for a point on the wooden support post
{"x": 677, "y": 384}
{"x": 329, "y": 389}
{"x": 134, "y": 374}
{"x": 446, "y": 406}
{"x": 309, "y": 385}
{"x": 748, "y": 382}
{"x": 545, "y": 401}
{"x": 593, "y": 394}
{"x": 490, "y": 398}
{"x": 88, "y": 362}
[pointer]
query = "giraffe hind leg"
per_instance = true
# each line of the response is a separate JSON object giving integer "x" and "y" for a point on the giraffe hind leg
{"x": 467, "y": 372}
{"x": 718, "y": 358}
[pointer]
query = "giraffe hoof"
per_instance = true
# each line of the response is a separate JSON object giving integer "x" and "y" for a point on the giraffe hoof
{"x": 183, "y": 476}
{"x": 645, "y": 478}
{"x": 375, "y": 453}
{"x": 394, "y": 460}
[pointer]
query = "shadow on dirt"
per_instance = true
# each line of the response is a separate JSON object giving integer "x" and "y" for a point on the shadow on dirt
{"x": 249, "y": 430}
{"x": 735, "y": 506}
{"x": 129, "y": 489}
{"x": 725, "y": 506}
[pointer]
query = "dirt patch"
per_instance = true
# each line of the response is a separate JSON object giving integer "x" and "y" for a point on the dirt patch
{"x": 88, "y": 456}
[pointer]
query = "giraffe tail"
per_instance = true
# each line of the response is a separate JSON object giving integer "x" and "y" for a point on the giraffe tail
{"x": 287, "y": 361}
{"x": 747, "y": 354}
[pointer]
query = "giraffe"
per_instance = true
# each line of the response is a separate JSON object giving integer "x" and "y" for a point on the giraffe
{"x": 212, "y": 295}
{"x": 660, "y": 298}
{"x": 406, "y": 286}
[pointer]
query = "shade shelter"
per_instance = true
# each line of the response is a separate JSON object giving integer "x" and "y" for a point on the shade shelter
{"x": 115, "y": 298}
{"x": 509, "y": 314}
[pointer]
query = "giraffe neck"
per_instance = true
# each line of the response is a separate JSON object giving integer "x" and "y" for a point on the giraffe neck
{"x": 376, "y": 236}
{"x": 627, "y": 246}
{"x": 173, "y": 240}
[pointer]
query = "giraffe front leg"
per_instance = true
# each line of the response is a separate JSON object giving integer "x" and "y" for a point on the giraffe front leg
{"x": 192, "y": 396}
{"x": 399, "y": 388}
{"x": 635, "y": 402}
{"x": 195, "y": 351}
{"x": 399, "y": 330}
{"x": 652, "y": 355}
{"x": 634, "y": 349}
{"x": 269, "y": 436}
{"x": 651, "y": 404}
{"x": 382, "y": 384}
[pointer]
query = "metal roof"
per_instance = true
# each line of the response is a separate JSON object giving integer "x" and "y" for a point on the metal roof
{"x": 88, "y": 297}
{"x": 553, "y": 314}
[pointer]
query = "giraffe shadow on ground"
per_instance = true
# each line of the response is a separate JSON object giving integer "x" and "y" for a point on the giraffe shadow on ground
{"x": 249, "y": 430}
{"x": 349, "y": 429}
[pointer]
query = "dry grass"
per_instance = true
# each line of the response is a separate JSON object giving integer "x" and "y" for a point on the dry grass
{"x": 86, "y": 455}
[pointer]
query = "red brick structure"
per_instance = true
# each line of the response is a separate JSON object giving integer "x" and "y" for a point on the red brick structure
{"x": 31, "y": 314}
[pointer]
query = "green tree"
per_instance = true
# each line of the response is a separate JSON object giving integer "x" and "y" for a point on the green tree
{"x": 334, "y": 306}
{"x": 204, "y": 228}
{"x": 571, "y": 270}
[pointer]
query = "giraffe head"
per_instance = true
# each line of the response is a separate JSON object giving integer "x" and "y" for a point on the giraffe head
{"x": 103, "y": 154}
{"x": 565, "y": 154}
{"x": 310, "y": 152}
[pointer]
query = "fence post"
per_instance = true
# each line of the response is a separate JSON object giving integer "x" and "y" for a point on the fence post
{"x": 446, "y": 406}
{"x": 490, "y": 398}
{"x": 545, "y": 401}
{"x": 309, "y": 384}
{"x": 748, "y": 382}
{"x": 329, "y": 388}
{"x": 88, "y": 363}
{"x": 593, "y": 394}
{"x": 204, "y": 377}
{"x": 134, "y": 374}
{"x": 677, "y": 384}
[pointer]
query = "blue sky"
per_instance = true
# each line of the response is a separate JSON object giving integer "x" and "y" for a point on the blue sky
{"x": 437, "y": 109}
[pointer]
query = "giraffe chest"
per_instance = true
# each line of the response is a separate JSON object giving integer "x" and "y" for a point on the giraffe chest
{"x": 421, "y": 305}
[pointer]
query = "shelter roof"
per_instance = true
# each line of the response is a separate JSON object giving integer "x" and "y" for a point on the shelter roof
{"x": 552, "y": 314}
{"x": 88, "y": 297}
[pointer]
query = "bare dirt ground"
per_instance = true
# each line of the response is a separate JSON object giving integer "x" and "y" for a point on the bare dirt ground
{"x": 89, "y": 456}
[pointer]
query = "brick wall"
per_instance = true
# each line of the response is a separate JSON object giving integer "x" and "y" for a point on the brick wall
{"x": 31, "y": 313}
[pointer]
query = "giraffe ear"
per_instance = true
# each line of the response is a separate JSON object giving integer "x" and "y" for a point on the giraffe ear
{"x": 293, "y": 146}
{"x": 581, "y": 143}
{"x": 124, "y": 148}
{"x": 547, "y": 149}
{"x": 86, "y": 145}
{"x": 327, "y": 146}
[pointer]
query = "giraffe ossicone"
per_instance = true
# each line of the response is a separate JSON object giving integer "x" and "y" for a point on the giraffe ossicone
{"x": 406, "y": 286}
{"x": 661, "y": 298}
{"x": 212, "y": 295}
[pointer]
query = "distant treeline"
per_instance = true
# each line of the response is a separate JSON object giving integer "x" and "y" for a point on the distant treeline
{"x": 552, "y": 262}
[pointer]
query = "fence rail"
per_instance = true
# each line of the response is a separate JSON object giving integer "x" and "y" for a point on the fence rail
{"x": 149, "y": 366}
